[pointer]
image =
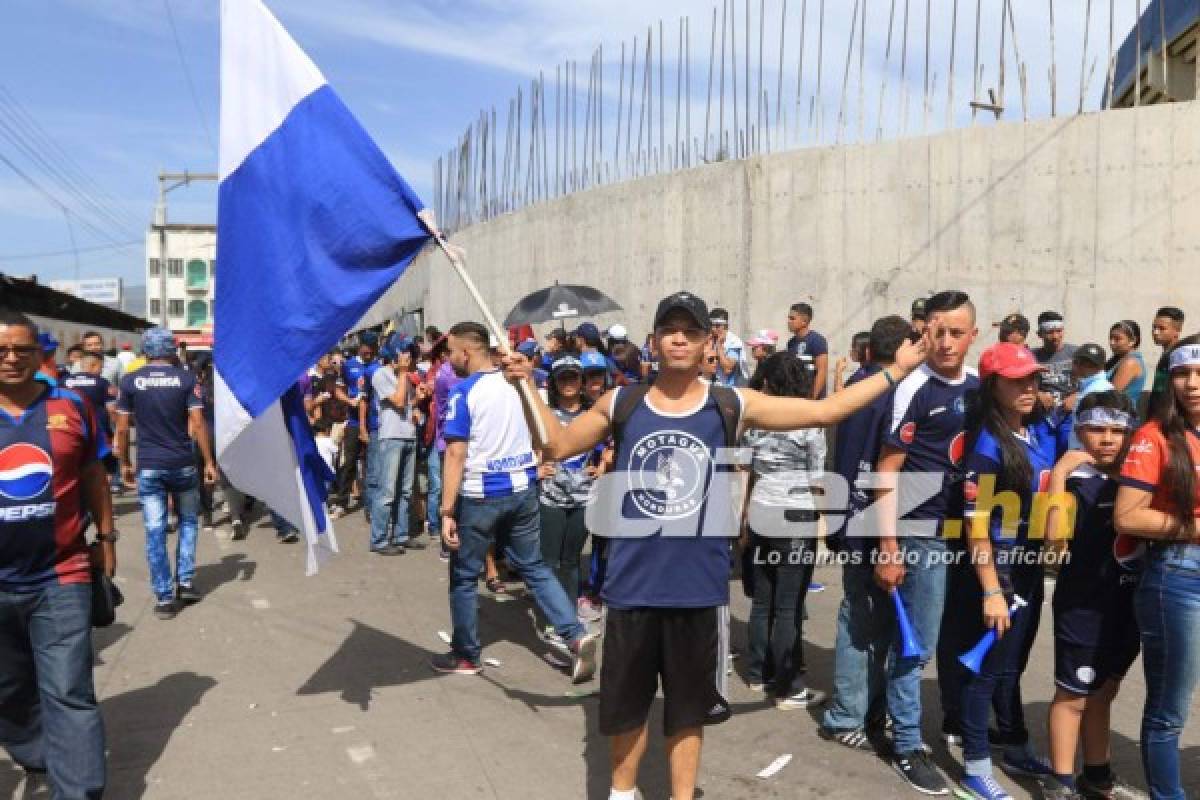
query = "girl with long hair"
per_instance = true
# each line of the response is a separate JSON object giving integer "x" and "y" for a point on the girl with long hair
{"x": 1158, "y": 503}
{"x": 1012, "y": 448}
{"x": 1127, "y": 369}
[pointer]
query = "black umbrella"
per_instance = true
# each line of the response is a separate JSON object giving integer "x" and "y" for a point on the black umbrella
{"x": 560, "y": 302}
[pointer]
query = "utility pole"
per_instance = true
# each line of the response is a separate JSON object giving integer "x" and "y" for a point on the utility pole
{"x": 167, "y": 182}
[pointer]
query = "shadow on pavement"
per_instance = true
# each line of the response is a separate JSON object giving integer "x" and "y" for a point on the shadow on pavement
{"x": 368, "y": 659}
{"x": 10, "y": 778}
{"x": 233, "y": 567}
{"x": 141, "y": 722}
{"x": 104, "y": 638}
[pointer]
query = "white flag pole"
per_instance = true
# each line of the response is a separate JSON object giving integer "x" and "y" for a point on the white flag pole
{"x": 456, "y": 257}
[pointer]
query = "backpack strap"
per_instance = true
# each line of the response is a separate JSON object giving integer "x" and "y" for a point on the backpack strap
{"x": 628, "y": 399}
{"x": 730, "y": 407}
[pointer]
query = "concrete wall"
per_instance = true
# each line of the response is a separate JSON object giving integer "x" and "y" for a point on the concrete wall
{"x": 1095, "y": 215}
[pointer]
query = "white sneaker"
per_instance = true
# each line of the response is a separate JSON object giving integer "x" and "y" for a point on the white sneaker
{"x": 804, "y": 698}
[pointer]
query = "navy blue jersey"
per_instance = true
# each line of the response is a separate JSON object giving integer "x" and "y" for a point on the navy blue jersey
{"x": 668, "y": 464}
{"x": 856, "y": 450}
{"x": 1094, "y": 589}
{"x": 159, "y": 396}
{"x": 807, "y": 348}
{"x": 97, "y": 391}
{"x": 353, "y": 376}
{"x": 926, "y": 422}
{"x": 1044, "y": 444}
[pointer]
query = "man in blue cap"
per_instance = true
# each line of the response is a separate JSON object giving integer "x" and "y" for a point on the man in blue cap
{"x": 169, "y": 409}
{"x": 392, "y": 453}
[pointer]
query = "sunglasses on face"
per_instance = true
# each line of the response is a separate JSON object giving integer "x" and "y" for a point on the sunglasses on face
{"x": 21, "y": 350}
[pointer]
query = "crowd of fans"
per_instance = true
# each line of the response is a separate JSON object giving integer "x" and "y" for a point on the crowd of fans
{"x": 429, "y": 437}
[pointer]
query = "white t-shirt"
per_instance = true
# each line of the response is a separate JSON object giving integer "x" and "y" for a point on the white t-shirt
{"x": 485, "y": 411}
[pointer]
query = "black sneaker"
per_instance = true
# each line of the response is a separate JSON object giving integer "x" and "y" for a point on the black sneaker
{"x": 1117, "y": 790}
{"x": 186, "y": 594}
{"x": 291, "y": 537}
{"x": 239, "y": 530}
{"x": 413, "y": 544}
{"x": 166, "y": 609}
{"x": 389, "y": 550}
{"x": 916, "y": 768}
{"x": 855, "y": 739}
{"x": 1053, "y": 789}
{"x": 454, "y": 664}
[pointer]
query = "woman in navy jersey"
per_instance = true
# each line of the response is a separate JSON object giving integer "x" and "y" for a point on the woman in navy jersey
{"x": 1159, "y": 501}
{"x": 1013, "y": 449}
{"x": 1095, "y": 633}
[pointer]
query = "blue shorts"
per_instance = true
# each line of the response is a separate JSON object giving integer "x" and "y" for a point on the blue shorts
{"x": 1082, "y": 667}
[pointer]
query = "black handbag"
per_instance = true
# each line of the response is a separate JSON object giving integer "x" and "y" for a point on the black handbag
{"x": 105, "y": 599}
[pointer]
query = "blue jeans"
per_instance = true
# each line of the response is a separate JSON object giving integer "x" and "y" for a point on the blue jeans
{"x": 183, "y": 484}
{"x": 390, "y": 467}
{"x": 924, "y": 594}
{"x": 997, "y": 685}
{"x": 1168, "y": 610}
{"x": 433, "y": 495}
{"x": 514, "y": 522}
{"x": 865, "y": 628}
{"x": 49, "y": 718}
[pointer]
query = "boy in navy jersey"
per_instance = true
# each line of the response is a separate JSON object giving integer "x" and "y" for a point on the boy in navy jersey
{"x": 923, "y": 448}
{"x": 51, "y": 485}
{"x": 1096, "y": 636}
{"x": 864, "y": 622}
{"x": 667, "y": 584}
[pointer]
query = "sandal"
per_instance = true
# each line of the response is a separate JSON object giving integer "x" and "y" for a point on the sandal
{"x": 495, "y": 585}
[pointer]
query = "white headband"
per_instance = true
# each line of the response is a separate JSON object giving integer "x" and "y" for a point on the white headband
{"x": 1051, "y": 325}
{"x": 1188, "y": 356}
{"x": 1104, "y": 417}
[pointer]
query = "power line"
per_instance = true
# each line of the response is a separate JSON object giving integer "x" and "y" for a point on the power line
{"x": 49, "y": 196}
{"x": 33, "y": 136}
{"x": 188, "y": 75}
{"x": 54, "y": 253}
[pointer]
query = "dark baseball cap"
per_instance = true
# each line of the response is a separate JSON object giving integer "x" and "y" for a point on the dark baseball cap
{"x": 918, "y": 308}
{"x": 687, "y": 302}
{"x": 1091, "y": 353}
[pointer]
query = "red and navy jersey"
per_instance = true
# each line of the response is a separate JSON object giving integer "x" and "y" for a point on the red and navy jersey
{"x": 42, "y": 518}
{"x": 927, "y": 420}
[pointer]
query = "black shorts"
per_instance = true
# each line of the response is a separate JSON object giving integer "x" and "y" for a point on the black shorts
{"x": 1084, "y": 668}
{"x": 686, "y": 647}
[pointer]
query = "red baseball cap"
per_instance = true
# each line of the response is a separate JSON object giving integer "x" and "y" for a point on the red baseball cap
{"x": 1008, "y": 361}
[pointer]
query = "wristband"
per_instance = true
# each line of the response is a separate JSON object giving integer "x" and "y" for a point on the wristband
{"x": 992, "y": 593}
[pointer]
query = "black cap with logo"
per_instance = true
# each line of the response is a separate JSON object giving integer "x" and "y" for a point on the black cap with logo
{"x": 687, "y": 302}
{"x": 1091, "y": 353}
{"x": 918, "y": 308}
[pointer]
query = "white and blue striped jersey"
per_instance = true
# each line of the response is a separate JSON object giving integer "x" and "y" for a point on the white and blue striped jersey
{"x": 485, "y": 412}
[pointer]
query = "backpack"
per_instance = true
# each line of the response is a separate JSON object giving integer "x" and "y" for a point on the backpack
{"x": 630, "y": 397}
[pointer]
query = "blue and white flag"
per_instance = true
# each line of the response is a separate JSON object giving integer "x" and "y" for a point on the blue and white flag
{"x": 313, "y": 224}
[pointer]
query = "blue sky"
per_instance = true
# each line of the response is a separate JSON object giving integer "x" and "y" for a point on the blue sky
{"x": 105, "y": 80}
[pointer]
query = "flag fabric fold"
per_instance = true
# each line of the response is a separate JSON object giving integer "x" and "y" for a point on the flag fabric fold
{"x": 313, "y": 225}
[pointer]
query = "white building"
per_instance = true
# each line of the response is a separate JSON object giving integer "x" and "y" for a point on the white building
{"x": 180, "y": 262}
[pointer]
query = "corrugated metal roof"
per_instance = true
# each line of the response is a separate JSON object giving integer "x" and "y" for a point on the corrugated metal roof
{"x": 1176, "y": 16}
